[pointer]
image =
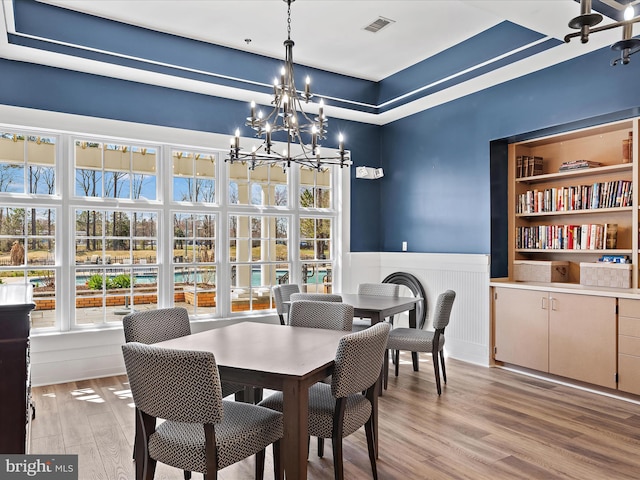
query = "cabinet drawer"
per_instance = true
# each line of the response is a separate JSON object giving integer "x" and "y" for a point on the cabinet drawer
{"x": 629, "y": 374}
{"x": 629, "y": 326}
{"x": 629, "y": 308}
{"x": 629, "y": 345}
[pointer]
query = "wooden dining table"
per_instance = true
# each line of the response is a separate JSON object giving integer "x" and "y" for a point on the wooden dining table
{"x": 284, "y": 358}
{"x": 378, "y": 307}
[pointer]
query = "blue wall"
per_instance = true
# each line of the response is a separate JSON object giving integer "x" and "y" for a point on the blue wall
{"x": 34, "y": 86}
{"x": 436, "y": 189}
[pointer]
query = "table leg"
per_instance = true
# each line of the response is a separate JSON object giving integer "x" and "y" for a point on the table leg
{"x": 296, "y": 429}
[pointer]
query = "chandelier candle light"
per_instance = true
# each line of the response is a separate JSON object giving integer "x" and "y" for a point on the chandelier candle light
{"x": 586, "y": 21}
{"x": 288, "y": 116}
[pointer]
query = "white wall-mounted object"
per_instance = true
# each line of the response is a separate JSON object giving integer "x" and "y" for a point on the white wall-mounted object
{"x": 369, "y": 173}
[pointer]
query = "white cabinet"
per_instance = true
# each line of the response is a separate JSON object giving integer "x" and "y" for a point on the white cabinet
{"x": 629, "y": 346}
{"x": 570, "y": 335}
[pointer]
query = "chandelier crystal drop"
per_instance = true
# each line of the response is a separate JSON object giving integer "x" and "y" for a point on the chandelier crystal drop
{"x": 301, "y": 133}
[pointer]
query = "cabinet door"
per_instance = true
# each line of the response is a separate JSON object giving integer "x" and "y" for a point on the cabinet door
{"x": 521, "y": 327}
{"x": 582, "y": 338}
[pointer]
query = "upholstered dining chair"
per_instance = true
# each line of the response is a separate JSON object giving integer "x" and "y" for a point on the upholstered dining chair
{"x": 321, "y": 297}
{"x": 317, "y": 314}
{"x": 153, "y": 326}
{"x": 340, "y": 409}
{"x": 378, "y": 289}
{"x": 201, "y": 432}
{"x": 418, "y": 340}
{"x": 281, "y": 294}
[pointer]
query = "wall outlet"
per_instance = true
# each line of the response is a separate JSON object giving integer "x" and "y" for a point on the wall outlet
{"x": 404, "y": 246}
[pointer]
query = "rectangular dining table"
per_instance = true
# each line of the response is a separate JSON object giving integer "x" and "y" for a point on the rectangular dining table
{"x": 379, "y": 307}
{"x": 284, "y": 358}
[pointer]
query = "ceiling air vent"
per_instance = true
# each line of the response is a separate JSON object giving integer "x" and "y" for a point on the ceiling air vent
{"x": 378, "y": 24}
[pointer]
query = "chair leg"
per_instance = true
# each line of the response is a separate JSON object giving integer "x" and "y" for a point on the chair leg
{"x": 150, "y": 468}
{"x": 187, "y": 475}
{"x": 444, "y": 370}
{"x": 278, "y": 470}
{"x": 369, "y": 430}
{"x": 436, "y": 370}
{"x": 281, "y": 316}
{"x": 260, "y": 465}
{"x": 397, "y": 356}
{"x": 338, "y": 468}
{"x": 320, "y": 447}
{"x": 385, "y": 369}
{"x": 414, "y": 358}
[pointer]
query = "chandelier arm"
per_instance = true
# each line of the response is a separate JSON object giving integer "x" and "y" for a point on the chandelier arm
{"x": 609, "y": 26}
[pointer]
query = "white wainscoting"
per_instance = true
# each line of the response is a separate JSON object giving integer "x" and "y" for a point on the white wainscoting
{"x": 468, "y": 275}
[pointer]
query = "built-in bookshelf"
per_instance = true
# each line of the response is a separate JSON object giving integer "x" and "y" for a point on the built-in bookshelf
{"x": 572, "y": 197}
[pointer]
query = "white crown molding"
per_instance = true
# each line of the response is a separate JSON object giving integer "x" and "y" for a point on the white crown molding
{"x": 509, "y": 72}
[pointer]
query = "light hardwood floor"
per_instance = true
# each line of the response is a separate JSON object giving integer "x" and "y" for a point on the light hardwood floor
{"x": 489, "y": 423}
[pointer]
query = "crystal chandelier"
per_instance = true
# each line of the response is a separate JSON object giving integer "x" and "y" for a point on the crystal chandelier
{"x": 586, "y": 21}
{"x": 302, "y": 132}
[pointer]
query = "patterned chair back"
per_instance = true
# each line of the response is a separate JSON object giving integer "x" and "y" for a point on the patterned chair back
{"x": 153, "y": 326}
{"x": 442, "y": 312}
{"x": 328, "y": 315}
{"x": 316, "y": 297}
{"x": 380, "y": 289}
{"x": 282, "y": 293}
{"x": 359, "y": 360}
{"x": 161, "y": 389}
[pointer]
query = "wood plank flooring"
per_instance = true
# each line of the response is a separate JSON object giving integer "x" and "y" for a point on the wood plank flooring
{"x": 489, "y": 424}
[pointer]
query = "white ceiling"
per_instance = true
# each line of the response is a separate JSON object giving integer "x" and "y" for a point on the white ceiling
{"x": 329, "y": 34}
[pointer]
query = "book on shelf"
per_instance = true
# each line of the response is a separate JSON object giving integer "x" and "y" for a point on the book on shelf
{"x": 578, "y": 164}
{"x": 611, "y": 194}
{"x": 627, "y": 149}
{"x": 564, "y": 237}
{"x": 519, "y": 170}
{"x": 527, "y": 166}
{"x": 614, "y": 259}
{"x": 611, "y": 236}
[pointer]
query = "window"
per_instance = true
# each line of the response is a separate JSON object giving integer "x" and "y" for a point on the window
{"x": 315, "y": 188}
{"x": 116, "y": 264}
{"x": 124, "y": 225}
{"x": 28, "y": 224}
{"x": 315, "y": 253}
{"x": 194, "y": 261}
{"x": 114, "y": 170}
{"x": 194, "y": 177}
{"x": 259, "y": 256}
{"x": 264, "y": 185}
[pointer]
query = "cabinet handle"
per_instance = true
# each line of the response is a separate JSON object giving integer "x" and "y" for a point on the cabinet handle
{"x": 544, "y": 304}
{"x": 553, "y": 303}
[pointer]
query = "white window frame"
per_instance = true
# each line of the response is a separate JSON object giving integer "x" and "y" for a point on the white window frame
{"x": 70, "y": 127}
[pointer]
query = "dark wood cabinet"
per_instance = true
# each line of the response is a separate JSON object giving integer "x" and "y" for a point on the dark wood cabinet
{"x": 15, "y": 395}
